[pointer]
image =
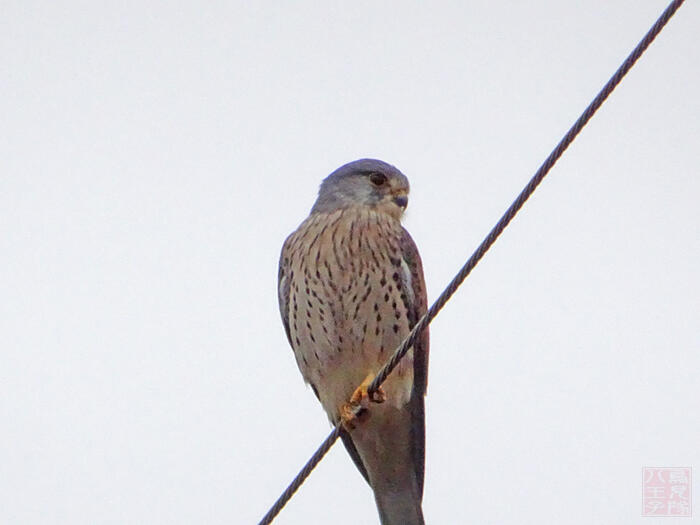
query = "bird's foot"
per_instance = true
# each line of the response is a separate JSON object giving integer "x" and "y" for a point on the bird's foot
{"x": 356, "y": 410}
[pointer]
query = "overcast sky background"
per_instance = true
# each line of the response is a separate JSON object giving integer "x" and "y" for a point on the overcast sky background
{"x": 155, "y": 155}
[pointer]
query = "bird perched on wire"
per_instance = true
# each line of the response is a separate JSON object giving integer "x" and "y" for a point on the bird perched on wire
{"x": 351, "y": 287}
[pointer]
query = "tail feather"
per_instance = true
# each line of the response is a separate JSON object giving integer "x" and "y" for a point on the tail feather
{"x": 389, "y": 451}
{"x": 399, "y": 507}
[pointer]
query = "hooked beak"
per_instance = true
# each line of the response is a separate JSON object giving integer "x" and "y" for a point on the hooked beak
{"x": 401, "y": 200}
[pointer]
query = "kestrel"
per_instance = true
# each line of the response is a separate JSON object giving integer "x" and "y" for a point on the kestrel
{"x": 351, "y": 287}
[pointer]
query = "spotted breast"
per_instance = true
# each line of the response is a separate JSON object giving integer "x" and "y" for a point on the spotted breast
{"x": 348, "y": 302}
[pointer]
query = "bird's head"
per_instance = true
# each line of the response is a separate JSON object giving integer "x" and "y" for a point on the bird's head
{"x": 364, "y": 182}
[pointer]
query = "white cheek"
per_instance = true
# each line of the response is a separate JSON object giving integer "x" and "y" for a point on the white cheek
{"x": 366, "y": 194}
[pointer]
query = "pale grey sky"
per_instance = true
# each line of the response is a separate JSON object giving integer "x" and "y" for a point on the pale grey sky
{"x": 154, "y": 157}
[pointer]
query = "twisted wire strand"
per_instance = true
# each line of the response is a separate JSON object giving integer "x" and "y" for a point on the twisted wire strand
{"x": 478, "y": 254}
{"x": 301, "y": 477}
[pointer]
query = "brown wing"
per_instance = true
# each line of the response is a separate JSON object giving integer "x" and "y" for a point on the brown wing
{"x": 416, "y": 310}
{"x": 283, "y": 284}
{"x": 417, "y": 307}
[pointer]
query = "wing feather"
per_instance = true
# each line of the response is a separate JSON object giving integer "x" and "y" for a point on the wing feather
{"x": 418, "y": 305}
{"x": 283, "y": 285}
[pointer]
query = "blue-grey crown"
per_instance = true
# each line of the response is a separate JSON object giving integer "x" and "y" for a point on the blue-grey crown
{"x": 338, "y": 188}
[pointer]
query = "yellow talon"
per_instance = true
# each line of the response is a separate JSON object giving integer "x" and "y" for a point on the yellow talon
{"x": 356, "y": 410}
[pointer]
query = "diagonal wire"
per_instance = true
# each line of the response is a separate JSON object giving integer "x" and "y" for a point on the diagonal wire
{"x": 301, "y": 477}
{"x": 482, "y": 249}
{"x": 524, "y": 195}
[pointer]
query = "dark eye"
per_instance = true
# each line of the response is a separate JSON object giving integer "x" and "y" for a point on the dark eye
{"x": 377, "y": 179}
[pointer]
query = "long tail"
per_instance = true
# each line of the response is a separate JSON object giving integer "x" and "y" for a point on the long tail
{"x": 389, "y": 451}
{"x": 399, "y": 507}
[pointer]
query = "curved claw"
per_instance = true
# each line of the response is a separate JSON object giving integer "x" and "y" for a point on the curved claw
{"x": 356, "y": 410}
